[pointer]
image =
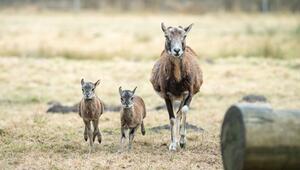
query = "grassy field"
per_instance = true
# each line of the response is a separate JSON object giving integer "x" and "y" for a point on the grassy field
{"x": 32, "y": 73}
{"x": 138, "y": 37}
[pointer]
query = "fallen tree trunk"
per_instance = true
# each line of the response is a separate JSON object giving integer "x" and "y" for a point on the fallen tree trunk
{"x": 255, "y": 137}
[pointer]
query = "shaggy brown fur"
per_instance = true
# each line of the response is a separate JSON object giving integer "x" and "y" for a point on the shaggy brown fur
{"x": 176, "y": 76}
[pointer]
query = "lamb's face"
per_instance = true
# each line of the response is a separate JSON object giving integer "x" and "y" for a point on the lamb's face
{"x": 175, "y": 39}
{"x": 88, "y": 89}
{"x": 126, "y": 97}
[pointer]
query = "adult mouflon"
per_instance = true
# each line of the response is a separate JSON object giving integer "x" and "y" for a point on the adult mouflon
{"x": 90, "y": 110}
{"x": 133, "y": 112}
{"x": 177, "y": 76}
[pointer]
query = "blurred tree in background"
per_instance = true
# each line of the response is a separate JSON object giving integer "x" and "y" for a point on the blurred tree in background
{"x": 191, "y": 6}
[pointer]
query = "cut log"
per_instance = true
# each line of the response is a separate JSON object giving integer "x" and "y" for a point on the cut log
{"x": 255, "y": 137}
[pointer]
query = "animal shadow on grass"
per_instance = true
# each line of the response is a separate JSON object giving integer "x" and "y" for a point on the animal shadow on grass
{"x": 158, "y": 129}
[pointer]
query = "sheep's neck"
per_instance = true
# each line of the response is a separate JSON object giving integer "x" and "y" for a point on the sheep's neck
{"x": 89, "y": 101}
{"x": 176, "y": 68}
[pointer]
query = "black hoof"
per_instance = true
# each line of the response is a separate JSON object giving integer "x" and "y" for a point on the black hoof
{"x": 100, "y": 140}
{"x": 85, "y": 138}
{"x": 182, "y": 145}
{"x": 143, "y": 132}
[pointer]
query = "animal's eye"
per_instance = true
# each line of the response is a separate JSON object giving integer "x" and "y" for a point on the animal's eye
{"x": 93, "y": 89}
{"x": 82, "y": 89}
{"x": 167, "y": 37}
{"x": 121, "y": 99}
{"x": 131, "y": 98}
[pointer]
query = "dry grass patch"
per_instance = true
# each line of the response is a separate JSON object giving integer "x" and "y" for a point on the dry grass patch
{"x": 139, "y": 37}
{"x": 30, "y": 138}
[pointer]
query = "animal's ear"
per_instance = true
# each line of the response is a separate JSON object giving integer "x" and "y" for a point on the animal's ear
{"x": 188, "y": 28}
{"x": 120, "y": 91}
{"x": 82, "y": 81}
{"x": 163, "y": 27}
{"x": 133, "y": 91}
{"x": 97, "y": 83}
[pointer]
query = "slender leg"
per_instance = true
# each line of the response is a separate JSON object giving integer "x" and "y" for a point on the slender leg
{"x": 85, "y": 134}
{"x": 131, "y": 136}
{"x": 172, "y": 146}
{"x": 184, "y": 111}
{"x": 178, "y": 119}
{"x": 97, "y": 131}
{"x": 180, "y": 115}
{"x": 123, "y": 137}
{"x": 90, "y": 134}
{"x": 143, "y": 128}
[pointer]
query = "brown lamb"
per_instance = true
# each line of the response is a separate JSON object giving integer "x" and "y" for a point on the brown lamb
{"x": 133, "y": 113}
{"x": 90, "y": 110}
